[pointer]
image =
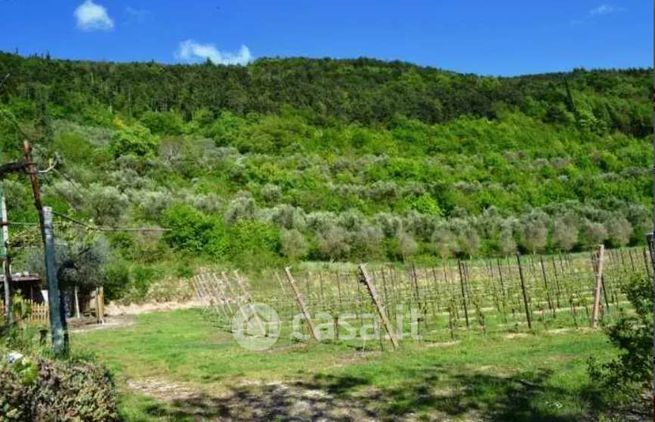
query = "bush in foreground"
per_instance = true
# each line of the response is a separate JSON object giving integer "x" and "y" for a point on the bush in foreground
{"x": 623, "y": 384}
{"x": 48, "y": 390}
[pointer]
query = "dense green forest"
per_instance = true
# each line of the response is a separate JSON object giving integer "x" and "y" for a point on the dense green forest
{"x": 286, "y": 160}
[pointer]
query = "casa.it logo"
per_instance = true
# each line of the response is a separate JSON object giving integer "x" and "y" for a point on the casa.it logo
{"x": 256, "y": 326}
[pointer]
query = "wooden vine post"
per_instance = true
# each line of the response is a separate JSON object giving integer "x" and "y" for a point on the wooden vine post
{"x": 301, "y": 303}
{"x": 461, "y": 283}
{"x": 524, "y": 291}
{"x": 366, "y": 279}
{"x": 599, "y": 286}
{"x": 249, "y": 301}
{"x": 543, "y": 275}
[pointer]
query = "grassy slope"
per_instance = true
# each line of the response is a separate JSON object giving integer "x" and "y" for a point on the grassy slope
{"x": 527, "y": 378}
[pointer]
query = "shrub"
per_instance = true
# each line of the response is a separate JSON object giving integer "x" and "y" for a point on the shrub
{"x": 445, "y": 243}
{"x": 73, "y": 147}
{"x": 118, "y": 279}
{"x": 287, "y": 216}
{"x": 619, "y": 230}
{"x": 623, "y": 383}
{"x": 506, "y": 242}
{"x": 242, "y": 207}
{"x": 593, "y": 233}
{"x": 425, "y": 204}
{"x": 293, "y": 243}
{"x": 166, "y": 123}
{"x": 333, "y": 244}
{"x": 48, "y": 390}
{"x": 133, "y": 140}
{"x": 534, "y": 232}
{"x": 407, "y": 246}
{"x": 253, "y": 244}
{"x": 565, "y": 232}
{"x": 107, "y": 203}
{"x": 189, "y": 228}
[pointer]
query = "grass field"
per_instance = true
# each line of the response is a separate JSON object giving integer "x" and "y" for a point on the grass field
{"x": 178, "y": 366}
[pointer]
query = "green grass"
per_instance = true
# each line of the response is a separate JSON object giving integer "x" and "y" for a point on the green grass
{"x": 527, "y": 377}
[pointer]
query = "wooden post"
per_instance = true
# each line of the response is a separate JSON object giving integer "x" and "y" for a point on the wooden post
{"x": 543, "y": 275}
{"x": 97, "y": 300}
{"x": 216, "y": 291}
{"x": 226, "y": 280}
{"x": 102, "y": 303}
{"x": 6, "y": 263}
{"x": 77, "y": 302}
{"x": 437, "y": 297}
{"x": 557, "y": 288}
{"x": 461, "y": 282}
{"x": 228, "y": 286}
{"x": 222, "y": 296}
{"x": 599, "y": 286}
{"x": 339, "y": 290}
{"x": 647, "y": 264}
{"x": 248, "y": 298}
{"x": 366, "y": 279}
{"x": 321, "y": 292}
{"x": 420, "y": 303}
{"x": 301, "y": 303}
{"x": 525, "y": 293}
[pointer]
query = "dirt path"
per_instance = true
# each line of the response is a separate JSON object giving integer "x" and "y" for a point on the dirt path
{"x": 114, "y": 309}
{"x": 90, "y": 324}
{"x": 254, "y": 401}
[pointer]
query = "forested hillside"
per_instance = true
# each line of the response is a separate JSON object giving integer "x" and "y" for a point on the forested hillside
{"x": 299, "y": 159}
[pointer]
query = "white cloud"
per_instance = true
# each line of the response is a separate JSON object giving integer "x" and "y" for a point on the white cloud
{"x": 596, "y": 13}
{"x": 603, "y": 9}
{"x": 93, "y": 17}
{"x": 191, "y": 51}
{"x": 137, "y": 15}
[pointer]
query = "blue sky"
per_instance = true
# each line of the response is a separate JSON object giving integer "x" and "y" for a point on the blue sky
{"x": 494, "y": 37}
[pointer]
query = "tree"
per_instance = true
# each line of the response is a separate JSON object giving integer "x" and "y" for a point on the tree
{"x": 294, "y": 245}
{"x": 593, "y": 233}
{"x": 565, "y": 232}
{"x": 534, "y": 232}
{"x": 166, "y": 123}
{"x": 189, "y": 229}
{"x": 333, "y": 244}
{"x": 468, "y": 241}
{"x": 106, "y": 203}
{"x": 242, "y": 207}
{"x": 445, "y": 242}
{"x": 133, "y": 139}
{"x": 80, "y": 262}
{"x": 619, "y": 230}
{"x": 407, "y": 246}
{"x": 506, "y": 242}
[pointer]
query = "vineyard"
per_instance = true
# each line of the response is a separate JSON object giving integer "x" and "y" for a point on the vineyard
{"x": 437, "y": 303}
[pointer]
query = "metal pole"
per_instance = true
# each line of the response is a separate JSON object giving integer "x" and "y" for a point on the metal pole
{"x": 57, "y": 317}
{"x": 5, "y": 255}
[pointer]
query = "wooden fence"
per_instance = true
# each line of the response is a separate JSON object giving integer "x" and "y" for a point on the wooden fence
{"x": 33, "y": 313}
